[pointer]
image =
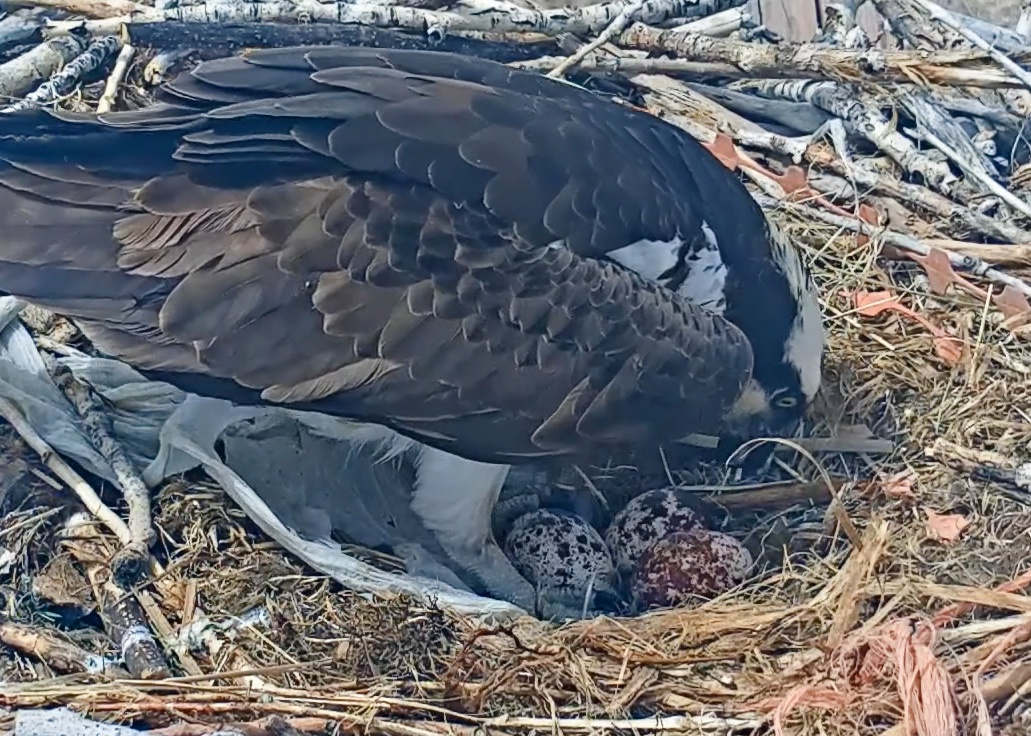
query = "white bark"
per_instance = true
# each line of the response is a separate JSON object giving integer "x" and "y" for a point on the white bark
{"x": 16, "y": 30}
{"x": 815, "y": 61}
{"x": 115, "y": 79}
{"x": 909, "y": 24}
{"x": 977, "y": 175}
{"x": 506, "y": 18}
{"x": 865, "y": 120}
{"x": 88, "y": 8}
{"x": 1002, "y": 38}
{"x": 63, "y": 82}
{"x": 929, "y": 115}
{"x": 717, "y": 25}
{"x": 27, "y": 71}
{"x": 616, "y": 26}
{"x": 867, "y": 177}
{"x": 839, "y": 21}
{"x": 1024, "y": 21}
{"x": 951, "y": 22}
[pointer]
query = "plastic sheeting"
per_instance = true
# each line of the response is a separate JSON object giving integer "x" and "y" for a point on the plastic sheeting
{"x": 298, "y": 476}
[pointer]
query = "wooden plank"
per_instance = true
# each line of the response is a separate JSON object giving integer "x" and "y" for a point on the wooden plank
{"x": 872, "y": 22}
{"x": 793, "y": 20}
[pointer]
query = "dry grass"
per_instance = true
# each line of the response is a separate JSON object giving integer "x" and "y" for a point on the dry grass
{"x": 902, "y": 633}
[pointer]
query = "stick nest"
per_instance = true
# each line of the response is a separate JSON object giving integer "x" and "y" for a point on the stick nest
{"x": 920, "y": 628}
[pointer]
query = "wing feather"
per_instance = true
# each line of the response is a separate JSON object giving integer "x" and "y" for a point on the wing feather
{"x": 434, "y": 262}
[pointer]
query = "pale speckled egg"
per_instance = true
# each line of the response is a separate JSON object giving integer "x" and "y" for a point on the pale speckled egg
{"x": 697, "y": 564}
{"x": 647, "y": 519}
{"x": 564, "y": 558}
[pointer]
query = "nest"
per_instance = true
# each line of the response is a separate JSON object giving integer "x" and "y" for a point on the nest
{"x": 888, "y": 599}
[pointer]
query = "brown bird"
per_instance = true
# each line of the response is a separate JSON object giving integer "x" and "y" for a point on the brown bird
{"x": 501, "y": 266}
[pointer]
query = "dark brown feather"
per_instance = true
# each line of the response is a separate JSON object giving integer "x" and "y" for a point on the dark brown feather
{"x": 408, "y": 271}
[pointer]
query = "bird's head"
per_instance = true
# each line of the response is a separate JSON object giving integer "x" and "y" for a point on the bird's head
{"x": 785, "y": 327}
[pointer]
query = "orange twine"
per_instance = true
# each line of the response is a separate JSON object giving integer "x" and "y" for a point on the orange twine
{"x": 903, "y": 650}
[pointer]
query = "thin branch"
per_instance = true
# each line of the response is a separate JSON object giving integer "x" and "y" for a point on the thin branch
{"x": 863, "y": 118}
{"x": 718, "y": 25}
{"x": 975, "y": 173}
{"x": 114, "y": 81}
{"x": 57, "y": 465}
{"x": 616, "y": 26}
{"x": 131, "y": 562}
{"x": 60, "y": 655}
{"x": 122, "y": 616}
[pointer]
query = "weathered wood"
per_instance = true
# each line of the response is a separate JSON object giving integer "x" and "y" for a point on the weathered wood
{"x": 211, "y": 40}
{"x": 793, "y": 20}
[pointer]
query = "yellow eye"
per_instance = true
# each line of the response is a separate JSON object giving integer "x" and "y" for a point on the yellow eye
{"x": 786, "y": 402}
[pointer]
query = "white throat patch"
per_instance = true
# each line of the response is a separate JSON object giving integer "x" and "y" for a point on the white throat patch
{"x": 805, "y": 343}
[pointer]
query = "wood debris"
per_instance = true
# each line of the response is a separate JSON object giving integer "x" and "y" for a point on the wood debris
{"x": 902, "y": 171}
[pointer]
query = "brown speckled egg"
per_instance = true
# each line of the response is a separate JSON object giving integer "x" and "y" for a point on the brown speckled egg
{"x": 564, "y": 558}
{"x": 647, "y": 519}
{"x": 688, "y": 565}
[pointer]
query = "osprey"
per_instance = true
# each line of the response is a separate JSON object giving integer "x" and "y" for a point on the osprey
{"x": 497, "y": 266}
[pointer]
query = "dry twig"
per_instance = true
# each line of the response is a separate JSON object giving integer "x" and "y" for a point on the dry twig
{"x": 131, "y": 562}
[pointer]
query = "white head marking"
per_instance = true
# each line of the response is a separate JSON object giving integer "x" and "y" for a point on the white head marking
{"x": 805, "y": 343}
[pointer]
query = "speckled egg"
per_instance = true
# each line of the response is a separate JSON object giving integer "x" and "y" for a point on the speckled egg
{"x": 564, "y": 557}
{"x": 647, "y": 519}
{"x": 700, "y": 563}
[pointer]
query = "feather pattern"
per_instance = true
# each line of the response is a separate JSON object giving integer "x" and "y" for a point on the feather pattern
{"x": 413, "y": 238}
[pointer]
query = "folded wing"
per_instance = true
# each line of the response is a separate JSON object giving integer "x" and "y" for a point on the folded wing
{"x": 412, "y": 238}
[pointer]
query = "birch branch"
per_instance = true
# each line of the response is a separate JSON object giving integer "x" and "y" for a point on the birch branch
{"x": 87, "y": 8}
{"x": 27, "y": 71}
{"x": 929, "y": 115}
{"x": 635, "y": 65}
{"x": 986, "y": 182}
{"x": 107, "y": 100}
{"x": 907, "y": 24}
{"x": 840, "y": 27}
{"x": 212, "y": 40}
{"x": 588, "y": 20}
{"x": 804, "y": 117}
{"x": 1001, "y": 38}
{"x": 863, "y": 175}
{"x": 815, "y": 61}
{"x": 121, "y": 614}
{"x": 65, "y": 81}
{"x": 616, "y": 26}
{"x": 957, "y": 101}
{"x": 131, "y": 562}
{"x": 862, "y": 119}
{"x": 718, "y": 25}
{"x": 947, "y": 19}
{"x": 932, "y": 202}
{"x": 19, "y": 30}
